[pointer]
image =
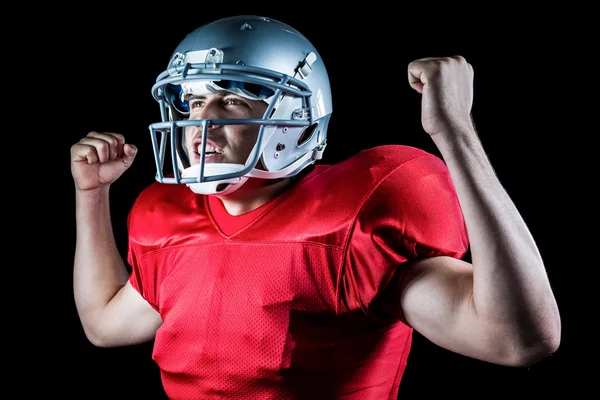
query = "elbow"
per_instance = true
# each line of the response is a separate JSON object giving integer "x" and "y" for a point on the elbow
{"x": 95, "y": 337}
{"x": 536, "y": 352}
{"x": 536, "y": 347}
{"x": 98, "y": 341}
{"x": 96, "y": 333}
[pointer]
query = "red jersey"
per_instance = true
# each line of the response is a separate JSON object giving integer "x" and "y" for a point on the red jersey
{"x": 280, "y": 303}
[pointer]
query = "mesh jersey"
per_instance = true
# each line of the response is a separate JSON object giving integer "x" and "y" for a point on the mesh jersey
{"x": 284, "y": 306}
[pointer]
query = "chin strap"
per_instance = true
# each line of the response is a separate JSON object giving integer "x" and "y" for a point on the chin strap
{"x": 223, "y": 186}
{"x": 229, "y": 185}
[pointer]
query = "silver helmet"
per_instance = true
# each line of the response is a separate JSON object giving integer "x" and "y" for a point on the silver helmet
{"x": 259, "y": 58}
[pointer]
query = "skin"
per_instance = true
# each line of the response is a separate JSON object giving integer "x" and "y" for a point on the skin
{"x": 500, "y": 308}
{"x": 234, "y": 142}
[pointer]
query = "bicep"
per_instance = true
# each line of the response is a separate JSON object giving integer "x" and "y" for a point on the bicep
{"x": 436, "y": 299}
{"x": 128, "y": 319}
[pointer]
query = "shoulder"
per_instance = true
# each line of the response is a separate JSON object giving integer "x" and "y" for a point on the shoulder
{"x": 374, "y": 165}
{"x": 162, "y": 211}
{"x": 378, "y": 178}
{"x": 392, "y": 155}
{"x": 402, "y": 177}
{"x": 157, "y": 193}
{"x": 412, "y": 190}
{"x": 161, "y": 199}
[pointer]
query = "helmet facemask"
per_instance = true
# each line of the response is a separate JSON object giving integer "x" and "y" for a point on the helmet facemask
{"x": 291, "y": 133}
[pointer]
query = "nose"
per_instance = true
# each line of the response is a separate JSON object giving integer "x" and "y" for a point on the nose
{"x": 210, "y": 111}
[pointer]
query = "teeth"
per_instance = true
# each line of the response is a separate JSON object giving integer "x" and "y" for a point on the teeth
{"x": 211, "y": 150}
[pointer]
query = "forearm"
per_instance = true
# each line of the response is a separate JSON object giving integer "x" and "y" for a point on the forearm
{"x": 511, "y": 294}
{"x": 99, "y": 271}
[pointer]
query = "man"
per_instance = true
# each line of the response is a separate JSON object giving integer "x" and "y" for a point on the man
{"x": 261, "y": 273}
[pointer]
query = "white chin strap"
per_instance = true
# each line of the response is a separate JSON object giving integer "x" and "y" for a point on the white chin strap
{"x": 224, "y": 186}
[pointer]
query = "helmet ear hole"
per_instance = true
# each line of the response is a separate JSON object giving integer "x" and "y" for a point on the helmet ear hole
{"x": 221, "y": 187}
{"x": 272, "y": 113}
{"x": 307, "y": 134}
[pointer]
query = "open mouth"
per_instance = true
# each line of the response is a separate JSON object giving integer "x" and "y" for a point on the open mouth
{"x": 209, "y": 151}
{"x": 211, "y": 154}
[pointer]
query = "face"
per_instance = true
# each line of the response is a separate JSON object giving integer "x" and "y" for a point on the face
{"x": 225, "y": 143}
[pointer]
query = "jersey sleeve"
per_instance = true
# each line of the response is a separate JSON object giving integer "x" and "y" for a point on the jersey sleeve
{"x": 412, "y": 213}
{"x": 143, "y": 277}
{"x": 137, "y": 278}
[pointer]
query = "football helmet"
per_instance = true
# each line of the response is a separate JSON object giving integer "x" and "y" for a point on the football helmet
{"x": 259, "y": 58}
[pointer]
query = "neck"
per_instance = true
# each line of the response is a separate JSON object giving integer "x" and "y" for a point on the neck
{"x": 253, "y": 194}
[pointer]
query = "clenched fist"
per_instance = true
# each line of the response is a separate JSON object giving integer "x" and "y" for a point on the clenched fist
{"x": 446, "y": 85}
{"x": 99, "y": 159}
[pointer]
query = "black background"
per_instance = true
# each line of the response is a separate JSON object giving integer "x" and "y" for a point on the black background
{"x": 73, "y": 70}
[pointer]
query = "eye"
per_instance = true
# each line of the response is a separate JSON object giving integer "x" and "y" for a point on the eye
{"x": 195, "y": 103}
{"x": 234, "y": 101}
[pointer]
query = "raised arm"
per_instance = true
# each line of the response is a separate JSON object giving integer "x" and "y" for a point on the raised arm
{"x": 112, "y": 312}
{"x": 500, "y": 308}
